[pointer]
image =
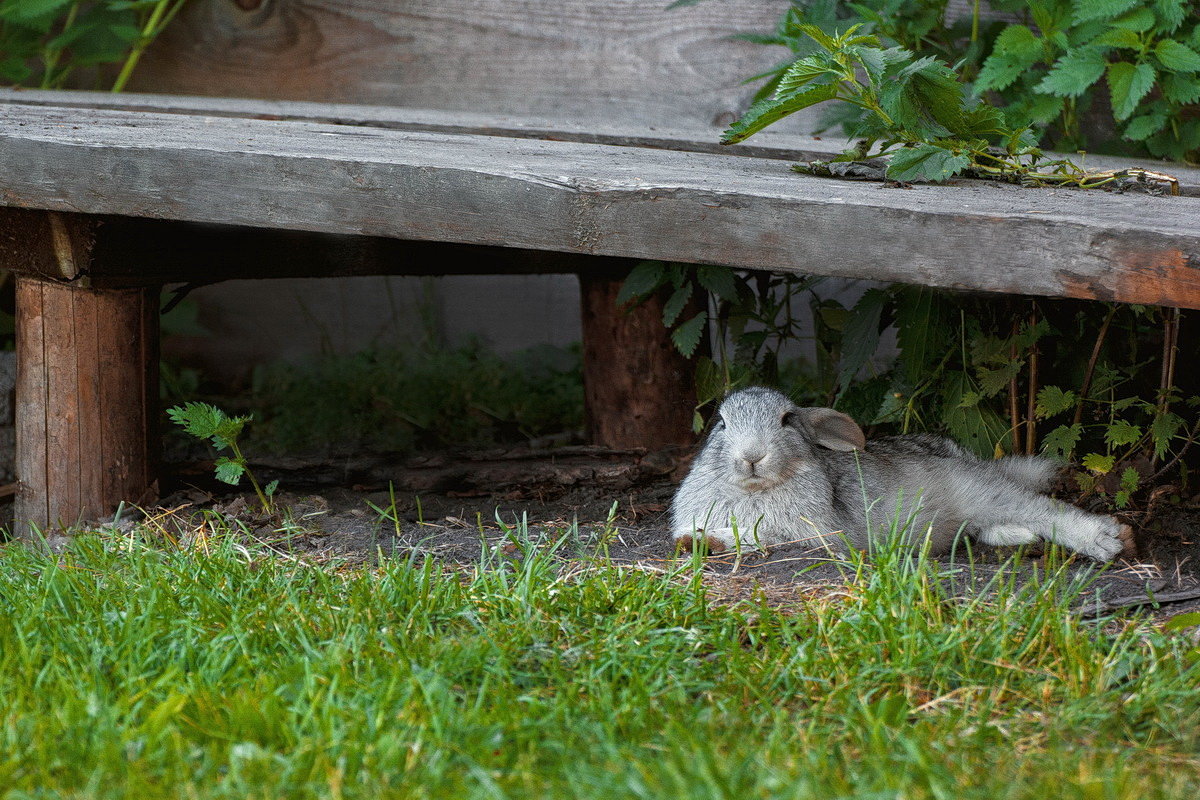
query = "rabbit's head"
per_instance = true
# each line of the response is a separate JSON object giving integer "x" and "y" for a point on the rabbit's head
{"x": 761, "y": 439}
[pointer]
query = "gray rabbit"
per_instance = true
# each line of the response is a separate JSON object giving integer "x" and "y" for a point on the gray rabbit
{"x": 781, "y": 473}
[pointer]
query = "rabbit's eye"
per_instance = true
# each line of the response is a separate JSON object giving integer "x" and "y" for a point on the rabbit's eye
{"x": 787, "y": 419}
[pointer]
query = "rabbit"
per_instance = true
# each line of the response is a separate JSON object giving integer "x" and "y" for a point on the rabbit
{"x": 784, "y": 474}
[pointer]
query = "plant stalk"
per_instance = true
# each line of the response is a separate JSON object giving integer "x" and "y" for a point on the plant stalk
{"x": 162, "y": 14}
{"x": 1086, "y": 386}
{"x": 1014, "y": 413}
{"x": 262, "y": 498}
{"x": 1031, "y": 404}
{"x": 50, "y": 57}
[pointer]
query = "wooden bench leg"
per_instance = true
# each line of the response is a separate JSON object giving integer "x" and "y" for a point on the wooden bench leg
{"x": 87, "y": 401}
{"x": 638, "y": 390}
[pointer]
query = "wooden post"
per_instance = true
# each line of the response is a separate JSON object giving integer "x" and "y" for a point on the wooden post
{"x": 638, "y": 390}
{"x": 87, "y": 376}
{"x": 87, "y": 390}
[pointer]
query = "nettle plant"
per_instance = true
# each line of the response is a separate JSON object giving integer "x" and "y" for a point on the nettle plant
{"x": 1115, "y": 75}
{"x": 44, "y": 43}
{"x": 206, "y": 421}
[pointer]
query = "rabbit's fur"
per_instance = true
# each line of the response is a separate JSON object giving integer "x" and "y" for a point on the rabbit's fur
{"x": 781, "y": 473}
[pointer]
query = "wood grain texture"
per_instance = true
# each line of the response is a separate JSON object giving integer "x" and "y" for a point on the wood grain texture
{"x": 32, "y": 403}
{"x": 86, "y": 401}
{"x": 599, "y": 200}
{"x": 615, "y": 129}
{"x": 565, "y": 58}
{"x": 638, "y": 390}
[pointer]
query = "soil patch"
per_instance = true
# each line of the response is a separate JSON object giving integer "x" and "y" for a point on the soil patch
{"x": 583, "y": 501}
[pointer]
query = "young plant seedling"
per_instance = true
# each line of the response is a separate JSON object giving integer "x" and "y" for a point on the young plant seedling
{"x": 205, "y": 421}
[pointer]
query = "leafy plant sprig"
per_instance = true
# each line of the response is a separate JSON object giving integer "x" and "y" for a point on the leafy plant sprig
{"x": 918, "y": 115}
{"x": 205, "y": 421}
{"x": 46, "y": 41}
{"x": 1117, "y": 76}
{"x": 1054, "y": 66}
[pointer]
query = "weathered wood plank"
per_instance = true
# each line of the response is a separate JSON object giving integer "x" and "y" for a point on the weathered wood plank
{"x": 615, "y": 129}
{"x": 600, "y": 200}
{"x": 570, "y": 58}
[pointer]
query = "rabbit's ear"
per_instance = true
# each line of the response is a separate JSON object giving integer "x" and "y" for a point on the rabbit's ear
{"x": 834, "y": 430}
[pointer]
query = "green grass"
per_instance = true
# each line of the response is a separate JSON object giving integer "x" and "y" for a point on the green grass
{"x": 136, "y": 668}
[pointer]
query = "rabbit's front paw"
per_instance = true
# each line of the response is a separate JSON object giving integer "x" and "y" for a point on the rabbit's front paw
{"x": 707, "y": 545}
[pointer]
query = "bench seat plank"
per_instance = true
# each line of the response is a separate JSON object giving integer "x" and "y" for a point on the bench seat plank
{"x": 782, "y": 141}
{"x": 597, "y": 199}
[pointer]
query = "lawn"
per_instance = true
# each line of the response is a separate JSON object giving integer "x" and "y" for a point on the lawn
{"x": 135, "y": 666}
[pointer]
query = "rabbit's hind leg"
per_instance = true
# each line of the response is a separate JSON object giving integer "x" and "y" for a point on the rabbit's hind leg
{"x": 1007, "y": 535}
{"x": 1093, "y": 535}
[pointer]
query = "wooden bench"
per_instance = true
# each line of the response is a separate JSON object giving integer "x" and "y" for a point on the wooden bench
{"x": 516, "y": 137}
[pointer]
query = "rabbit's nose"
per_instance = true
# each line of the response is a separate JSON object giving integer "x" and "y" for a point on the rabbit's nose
{"x": 752, "y": 458}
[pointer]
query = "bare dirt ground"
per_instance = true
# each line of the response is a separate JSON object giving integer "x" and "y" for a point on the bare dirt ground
{"x": 463, "y": 507}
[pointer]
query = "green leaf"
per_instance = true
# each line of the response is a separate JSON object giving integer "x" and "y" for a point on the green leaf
{"x": 1062, "y": 440}
{"x": 687, "y": 336}
{"x": 1072, "y": 74}
{"x": 1170, "y": 13}
{"x": 922, "y": 330}
{"x": 30, "y": 10}
{"x": 1051, "y": 400}
{"x": 1015, "y": 51}
{"x": 1163, "y": 430}
{"x": 819, "y": 36}
{"x": 643, "y": 280}
{"x": 1087, "y": 10}
{"x": 198, "y": 419}
{"x": 206, "y": 421}
{"x": 1130, "y": 478}
{"x": 1180, "y": 88}
{"x": 977, "y": 427}
{"x": 925, "y": 97}
{"x": 1122, "y": 432}
{"x": 721, "y": 281}
{"x": 1146, "y": 125}
{"x": 926, "y": 162}
{"x": 1118, "y": 37}
{"x": 229, "y": 470}
{"x": 800, "y": 73}
{"x": 860, "y": 336}
{"x": 771, "y": 110}
{"x": 1099, "y": 464}
{"x": 1139, "y": 19}
{"x": 1129, "y": 83}
{"x": 1177, "y": 57}
{"x": 270, "y": 488}
{"x": 710, "y": 381}
{"x": 675, "y": 303}
{"x": 994, "y": 381}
